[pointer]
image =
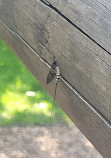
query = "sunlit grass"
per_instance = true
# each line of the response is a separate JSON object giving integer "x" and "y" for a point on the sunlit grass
{"x": 22, "y": 100}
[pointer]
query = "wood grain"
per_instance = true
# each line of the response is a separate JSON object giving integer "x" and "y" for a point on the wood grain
{"x": 106, "y": 4}
{"x": 93, "y": 17}
{"x": 85, "y": 65}
{"x": 89, "y": 120}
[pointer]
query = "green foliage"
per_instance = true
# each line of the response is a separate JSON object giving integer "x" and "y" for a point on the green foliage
{"x": 22, "y": 100}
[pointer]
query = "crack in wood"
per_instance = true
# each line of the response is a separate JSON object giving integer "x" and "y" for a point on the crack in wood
{"x": 104, "y": 6}
{"x": 45, "y": 2}
{"x": 102, "y": 60}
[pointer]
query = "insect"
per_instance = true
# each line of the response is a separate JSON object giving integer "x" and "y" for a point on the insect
{"x": 54, "y": 71}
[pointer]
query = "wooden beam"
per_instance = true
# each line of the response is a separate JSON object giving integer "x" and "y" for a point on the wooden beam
{"x": 37, "y": 30}
{"x": 83, "y": 114}
{"x": 84, "y": 64}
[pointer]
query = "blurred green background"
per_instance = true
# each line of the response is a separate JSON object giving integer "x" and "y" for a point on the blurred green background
{"x": 22, "y": 100}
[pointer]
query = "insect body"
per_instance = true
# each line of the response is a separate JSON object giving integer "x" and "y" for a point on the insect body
{"x": 57, "y": 73}
{"x": 54, "y": 71}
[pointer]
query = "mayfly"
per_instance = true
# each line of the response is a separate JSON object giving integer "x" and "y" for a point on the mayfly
{"x": 53, "y": 72}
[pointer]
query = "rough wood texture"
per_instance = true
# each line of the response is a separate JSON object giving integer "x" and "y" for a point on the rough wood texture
{"x": 84, "y": 57}
{"x": 93, "y": 17}
{"x": 106, "y": 4}
{"x": 85, "y": 65}
{"x": 89, "y": 121}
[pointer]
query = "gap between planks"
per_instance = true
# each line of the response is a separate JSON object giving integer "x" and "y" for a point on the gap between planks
{"x": 45, "y": 2}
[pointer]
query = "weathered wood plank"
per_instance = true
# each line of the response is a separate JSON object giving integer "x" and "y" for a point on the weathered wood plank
{"x": 90, "y": 121}
{"x": 91, "y": 16}
{"x": 83, "y": 63}
{"x": 106, "y": 4}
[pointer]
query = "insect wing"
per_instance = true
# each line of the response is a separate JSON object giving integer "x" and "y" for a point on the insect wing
{"x": 51, "y": 74}
{"x": 50, "y": 77}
